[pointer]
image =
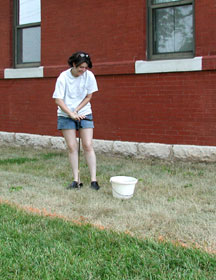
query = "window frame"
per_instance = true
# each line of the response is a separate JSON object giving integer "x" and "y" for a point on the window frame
{"x": 150, "y": 41}
{"x": 16, "y": 29}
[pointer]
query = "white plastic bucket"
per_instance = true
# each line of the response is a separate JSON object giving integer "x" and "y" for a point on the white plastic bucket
{"x": 123, "y": 186}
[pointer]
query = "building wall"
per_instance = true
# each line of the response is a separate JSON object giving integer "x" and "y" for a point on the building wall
{"x": 112, "y": 31}
{"x": 172, "y": 108}
{"x": 205, "y": 12}
{"x": 6, "y": 35}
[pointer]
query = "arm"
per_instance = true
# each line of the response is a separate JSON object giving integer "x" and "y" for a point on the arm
{"x": 63, "y": 106}
{"x": 83, "y": 102}
{"x": 74, "y": 115}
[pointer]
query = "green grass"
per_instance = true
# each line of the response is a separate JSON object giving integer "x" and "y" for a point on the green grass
{"x": 20, "y": 160}
{"x": 175, "y": 200}
{"x": 35, "y": 247}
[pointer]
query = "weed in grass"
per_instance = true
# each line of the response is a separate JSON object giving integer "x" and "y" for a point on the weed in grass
{"x": 16, "y": 160}
{"x": 15, "y": 189}
{"x": 188, "y": 186}
{"x": 200, "y": 173}
{"x": 51, "y": 155}
{"x": 171, "y": 199}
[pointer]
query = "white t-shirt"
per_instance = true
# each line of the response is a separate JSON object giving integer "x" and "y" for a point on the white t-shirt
{"x": 74, "y": 89}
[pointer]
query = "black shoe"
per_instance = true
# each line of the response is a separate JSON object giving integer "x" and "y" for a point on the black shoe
{"x": 95, "y": 186}
{"x": 73, "y": 185}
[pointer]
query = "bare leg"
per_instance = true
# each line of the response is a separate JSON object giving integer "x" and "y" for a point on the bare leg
{"x": 86, "y": 135}
{"x": 70, "y": 138}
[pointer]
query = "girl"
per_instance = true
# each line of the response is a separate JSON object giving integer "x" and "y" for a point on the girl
{"x": 73, "y": 92}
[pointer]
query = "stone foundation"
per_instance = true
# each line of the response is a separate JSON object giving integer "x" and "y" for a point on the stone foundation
{"x": 132, "y": 149}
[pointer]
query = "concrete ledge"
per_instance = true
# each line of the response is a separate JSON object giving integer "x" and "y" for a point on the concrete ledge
{"x": 169, "y": 65}
{"x": 57, "y": 143}
{"x": 154, "y": 150}
{"x": 133, "y": 149}
{"x": 31, "y": 140}
{"x": 194, "y": 153}
{"x": 125, "y": 148}
{"x": 103, "y": 146}
{"x": 22, "y": 73}
{"x": 7, "y": 138}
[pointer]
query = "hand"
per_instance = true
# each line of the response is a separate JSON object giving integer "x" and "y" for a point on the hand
{"x": 74, "y": 115}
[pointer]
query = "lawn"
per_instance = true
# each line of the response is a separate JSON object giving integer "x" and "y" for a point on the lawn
{"x": 173, "y": 202}
{"x": 34, "y": 247}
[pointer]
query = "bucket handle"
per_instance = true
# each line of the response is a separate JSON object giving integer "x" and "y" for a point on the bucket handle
{"x": 124, "y": 195}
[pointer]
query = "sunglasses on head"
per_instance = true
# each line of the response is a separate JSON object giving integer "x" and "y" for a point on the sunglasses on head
{"x": 83, "y": 55}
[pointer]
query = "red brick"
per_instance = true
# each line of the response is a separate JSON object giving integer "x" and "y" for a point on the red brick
{"x": 174, "y": 108}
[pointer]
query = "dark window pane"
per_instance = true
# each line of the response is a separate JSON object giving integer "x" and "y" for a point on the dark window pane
{"x": 173, "y": 29}
{"x": 29, "y": 45}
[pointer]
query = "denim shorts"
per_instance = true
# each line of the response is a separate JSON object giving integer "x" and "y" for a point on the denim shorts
{"x": 68, "y": 123}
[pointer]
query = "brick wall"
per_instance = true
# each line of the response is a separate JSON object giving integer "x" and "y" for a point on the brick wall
{"x": 26, "y": 106}
{"x": 110, "y": 30}
{"x": 169, "y": 108}
{"x": 205, "y": 13}
{"x": 162, "y": 108}
{"x": 172, "y": 108}
{"x": 6, "y": 35}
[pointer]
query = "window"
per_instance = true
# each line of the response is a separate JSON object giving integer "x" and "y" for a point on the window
{"x": 27, "y": 33}
{"x": 171, "y": 29}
